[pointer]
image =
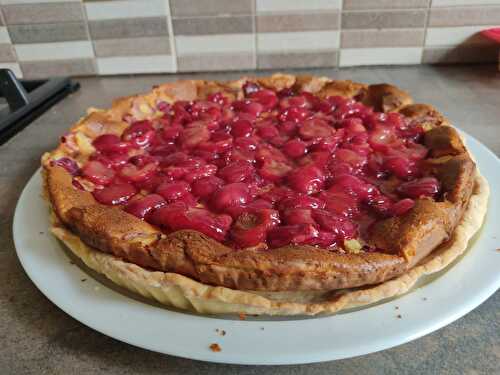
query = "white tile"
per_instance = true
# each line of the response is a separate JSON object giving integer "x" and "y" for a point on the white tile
{"x": 4, "y": 35}
{"x": 188, "y": 45}
{"x": 104, "y": 10}
{"x": 298, "y": 41}
{"x": 380, "y": 56}
{"x": 296, "y": 5}
{"x": 54, "y": 51}
{"x": 445, "y": 3}
{"x": 14, "y": 67}
{"x": 136, "y": 64}
{"x": 446, "y": 36}
{"x": 5, "y": 2}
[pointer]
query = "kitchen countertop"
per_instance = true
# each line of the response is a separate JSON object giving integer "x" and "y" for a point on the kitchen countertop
{"x": 37, "y": 337}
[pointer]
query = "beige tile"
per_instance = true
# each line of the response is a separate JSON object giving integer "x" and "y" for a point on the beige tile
{"x": 136, "y": 64}
{"x": 461, "y": 54}
{"x": 190, "y": 8}
{"x": 132, "y": 47}
{"x": 106, "y": 10}
{"x": 216, "y": 62}
{"x": 48, "y": 32}
{"x": 42, "y": 13}
{"x": 382, "y": 38}
{"x": 384, "y": 19}
{"x": 298, "y": 22}
{"x": 464, "y": 16}
{"x": 298, "y": 41}
{"x": 7, "y": 53}
{"x": 380, "y": 56}
{"x": 4, "y": 35}
{"x": 384, "y": 4}
{"x": 297, "y": 60}
{"x": 218, "y": 44}
{"x": 128, "y": 28}
{"x": 296, "y": 5}
{"x": 442, "y": 3}
{"x": 55, "y": 51}
{"x": 44, "y": 69}
{"x": 14, "y": 67}
{"x": 213, "y": 25}
{"x": 449, "y": 36}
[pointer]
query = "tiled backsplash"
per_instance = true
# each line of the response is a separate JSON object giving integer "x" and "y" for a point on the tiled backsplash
{"x": 78, "y": 37}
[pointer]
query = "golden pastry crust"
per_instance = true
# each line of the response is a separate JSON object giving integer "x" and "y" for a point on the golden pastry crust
{"x": 406, "y": 240}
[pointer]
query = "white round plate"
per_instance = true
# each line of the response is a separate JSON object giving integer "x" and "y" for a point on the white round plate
{"x": 94, "y": 302}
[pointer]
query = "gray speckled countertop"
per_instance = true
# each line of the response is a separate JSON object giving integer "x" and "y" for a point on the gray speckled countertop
{"x": 37, "y": 337}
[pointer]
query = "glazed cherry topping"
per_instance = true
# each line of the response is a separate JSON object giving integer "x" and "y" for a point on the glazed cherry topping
{"x": 269, "y": 169}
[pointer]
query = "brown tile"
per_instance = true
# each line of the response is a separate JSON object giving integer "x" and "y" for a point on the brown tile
{"x": 213, "y": 25}
{"x": 382, "y": 38}
{"x": 465, "y": 16}
{"x": 383, "y": 20}
{"x": 132, "y": 47}
{"x": 48, "y": 32}
{"x": 384, "y": 4}
{"x": 461, "y": 54}
{"x": 216, "y": 62}
{"x": 43, "y": 69}
{"x": 298, "y": 22}
{"x": 16, "y": 14}
{"x": 128, "y": 28}
{"x": 297, "y": 60}
{"x": 7, "y": 53}
{"x": 190, "y": 8}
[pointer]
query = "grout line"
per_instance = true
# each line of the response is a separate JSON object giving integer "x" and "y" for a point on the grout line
{"x": 87, "y": 30}
{"x": 255, "y": 39}
{"x": 427, "y": 17}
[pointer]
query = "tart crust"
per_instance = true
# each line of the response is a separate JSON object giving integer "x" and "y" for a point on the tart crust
{"x": 190, "y": 270}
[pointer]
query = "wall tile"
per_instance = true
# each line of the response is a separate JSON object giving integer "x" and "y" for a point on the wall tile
{"x": 384, "y": 4}
{"x": 6, "y": 2}
{"x": 132, "y": 47}
{"x": 117, "y": 9}
{"x": 213, "y": 25}
{"x": 298, "y": 22}
{"x": 193, "y": 8}
{"x": 297, "y": 60}
{"x": 380, "y": 56}
{"x": 42, "y": 13}
{"x": 135, "y": 64}
{"x": 464, "y": 16}
{"x": 4, "y": 35}
{"x": 224, "y": 43}
{"x": 215, "y": 62}
{"x": 443, "y": 36}
{"x": 296, "y": 5}
{"x": 54, "y": 51}
{"x": 461, "y": 54}
{"x": 301, "y": 41}
{"x": 7, "y": 53}
{"x": 128, "y": 28}
{"x": 48, "y": 32}
{"x": 49, "y": 68}
{"x": 441, "y": 3}
{"x": 14, "y": 67}
{"x": 385, "y": 19}
{"x": 382, "y": 38}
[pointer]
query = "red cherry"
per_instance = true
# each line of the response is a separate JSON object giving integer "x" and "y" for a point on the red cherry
{"x": 292, "y": 235}
{"x": 98, "y": 173}
{"x": 422, "y": 187}
{"x": 172, "y": 191}
{"x": 205, "y": 187}
{"x": 294, "y": 216}
{"x": 402, "y": 207}
{"x": 295, "y": 148}
{"x": 143, "y": 206}
{"x": 251, "y": 227}
{"x": 68, "y": 164}
{"x": 237, "y": 171}
{"x": 115, "y": 194}
{"x": 230, "y": 195}
{"x": 308, "y": 179}
{"x": 110, "y": 143}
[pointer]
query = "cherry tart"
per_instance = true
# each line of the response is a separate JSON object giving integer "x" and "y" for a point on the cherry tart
{"x": 280, "y": 183}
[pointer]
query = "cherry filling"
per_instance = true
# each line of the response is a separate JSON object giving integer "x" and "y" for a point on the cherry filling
{"x": 272, "y": 169}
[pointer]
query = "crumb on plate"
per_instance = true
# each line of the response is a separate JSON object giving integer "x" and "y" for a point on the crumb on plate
{"x": 215, "y": 347}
